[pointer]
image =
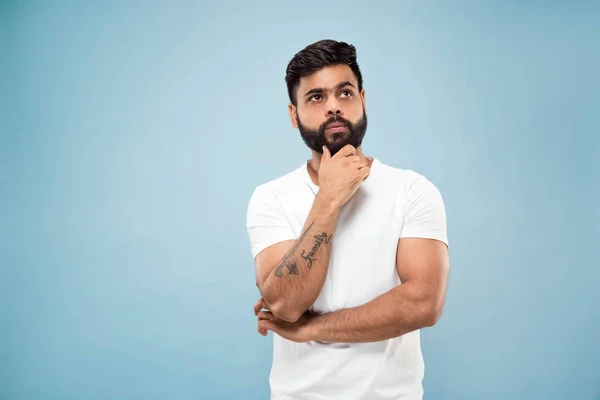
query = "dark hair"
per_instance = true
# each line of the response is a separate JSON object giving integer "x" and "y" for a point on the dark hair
{"x": 316, "y": 56}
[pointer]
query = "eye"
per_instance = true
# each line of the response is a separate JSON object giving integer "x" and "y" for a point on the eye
{"x": 315, "y": 97}
{"x": 346, "y": 93}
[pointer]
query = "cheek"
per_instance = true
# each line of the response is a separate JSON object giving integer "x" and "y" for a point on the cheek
{"x": 358, "y": 104}
{"x": 310, "y": 118}
{"x": 355, "y": 111}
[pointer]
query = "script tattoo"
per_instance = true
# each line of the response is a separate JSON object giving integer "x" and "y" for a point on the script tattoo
{"x": 319, "y": 239}
{"x": 288, "y": 261}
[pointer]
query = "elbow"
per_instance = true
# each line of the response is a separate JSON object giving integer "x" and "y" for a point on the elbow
{"x": 280, "y": 307}
{"x": 432, "y": 313}
{"x": 283, "y": 311}
{"x": 287, "y": 314}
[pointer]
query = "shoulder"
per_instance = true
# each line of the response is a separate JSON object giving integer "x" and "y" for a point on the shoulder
{"x": 411, "y": 189}
{"x": 406, "y": 180}
{"x": 419, "y": 203}
{"x": 272, "y": 188}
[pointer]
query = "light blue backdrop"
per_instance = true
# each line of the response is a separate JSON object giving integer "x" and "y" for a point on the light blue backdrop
{"x": 133, "y": 135}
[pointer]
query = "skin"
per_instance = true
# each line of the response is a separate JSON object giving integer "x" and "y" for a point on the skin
{"x": 418, "y": 302}
{"x": 315, "y": 107}
{"x": 291, "y": 274}
{"x": 422, "y": 264}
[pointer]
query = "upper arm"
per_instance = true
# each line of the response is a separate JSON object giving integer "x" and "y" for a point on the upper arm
{"x": 270, "y": 233}
{"x": 426, "y": 263}
{"x": 422, "y": 254}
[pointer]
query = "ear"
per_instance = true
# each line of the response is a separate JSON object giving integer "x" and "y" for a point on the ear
{"x": 292, "y": 110}
{"x": 363, "y": 95}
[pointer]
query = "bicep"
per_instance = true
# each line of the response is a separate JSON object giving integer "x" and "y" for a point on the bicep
{"x": 422, "y": 253}
{"x": 269, "y": 258}
{"x": 423, "y": 261}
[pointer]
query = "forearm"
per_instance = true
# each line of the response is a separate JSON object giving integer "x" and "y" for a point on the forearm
{"x": 295, "y": 282}
{"x": 395, "y": 313}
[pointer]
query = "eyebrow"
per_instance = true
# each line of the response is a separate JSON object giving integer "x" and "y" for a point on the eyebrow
{"x": 336, "y": 88}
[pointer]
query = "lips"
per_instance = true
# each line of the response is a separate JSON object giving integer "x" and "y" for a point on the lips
{"x": 335, "y": 125}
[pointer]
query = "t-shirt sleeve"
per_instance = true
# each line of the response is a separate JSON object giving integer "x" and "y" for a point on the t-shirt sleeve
{"x": 266, "y": 223}
{"x": 424, "y": 212}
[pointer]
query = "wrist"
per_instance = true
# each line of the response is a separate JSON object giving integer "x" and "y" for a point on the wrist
{"x": 327, "y": 202}
{"x": 313, "y": 329}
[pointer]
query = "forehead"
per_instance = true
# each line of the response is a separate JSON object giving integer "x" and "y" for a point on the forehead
{"x": 327, "y": 77}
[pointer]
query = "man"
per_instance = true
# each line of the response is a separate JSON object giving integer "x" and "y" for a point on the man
{"x": 351, "y": 254}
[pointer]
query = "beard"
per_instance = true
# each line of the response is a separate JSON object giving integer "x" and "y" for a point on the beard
{"x": 315, "y": 139}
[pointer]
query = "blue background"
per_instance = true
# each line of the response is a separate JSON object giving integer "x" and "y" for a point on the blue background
{"x": 133, "y": 134}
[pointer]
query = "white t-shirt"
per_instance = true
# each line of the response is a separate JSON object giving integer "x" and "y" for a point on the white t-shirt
{"x": 391, "y": 204}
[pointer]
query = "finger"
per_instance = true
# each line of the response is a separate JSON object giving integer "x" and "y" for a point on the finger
{"x": 265, "y": 325}
{"x": 366, "y": 172}
{"x": 326, "y": 154}
{"x": 260, "y": 304}
{"x": 262, "y": 331}
{"x": 266, "y": 315}
{"x": 257, "y": 307}
{"x": 354, "y": 159}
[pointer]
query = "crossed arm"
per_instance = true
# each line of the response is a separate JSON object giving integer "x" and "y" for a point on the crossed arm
{"x": 423, "y": 267}
{"x": 417, "y": 303}
{"x": 290, "y": 274}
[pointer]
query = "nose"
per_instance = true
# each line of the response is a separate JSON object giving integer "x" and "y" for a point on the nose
{"x": 333, "y": 107}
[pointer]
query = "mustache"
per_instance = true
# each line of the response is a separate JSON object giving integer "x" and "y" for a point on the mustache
{"x": 335, "y": 118}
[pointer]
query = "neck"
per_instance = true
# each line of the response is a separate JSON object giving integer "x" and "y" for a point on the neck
{"x": 315, "y": 162}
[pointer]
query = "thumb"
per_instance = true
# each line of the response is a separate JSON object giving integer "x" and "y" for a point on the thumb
{"x": 326, "y": 154}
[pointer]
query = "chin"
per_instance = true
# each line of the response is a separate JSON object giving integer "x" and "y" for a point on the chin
{"x": 338, "y": 137}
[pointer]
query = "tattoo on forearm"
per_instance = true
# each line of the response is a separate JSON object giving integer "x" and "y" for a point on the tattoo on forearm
{"x": 288, "y": 261}
{"x": 291, "y": 266}
{"x": 319, "y": 239}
